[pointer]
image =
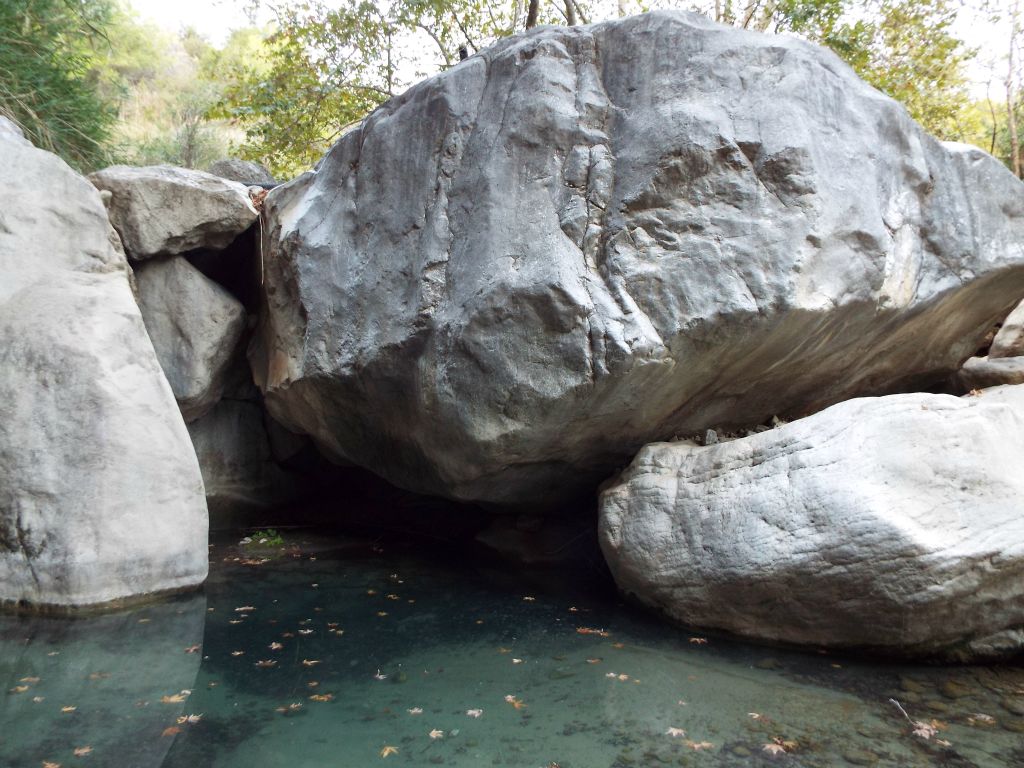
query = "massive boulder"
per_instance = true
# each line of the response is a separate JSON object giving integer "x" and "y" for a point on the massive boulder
{"x": 100, "y": 494}
{"x": 196, "y": 327}
{"x": 890, "y": 523}
{"x": 982, "y": 372}
{"x": 162, "y": 210}
{"x": 508, "y": 279}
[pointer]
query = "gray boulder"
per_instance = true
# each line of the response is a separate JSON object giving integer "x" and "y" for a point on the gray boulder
{"x": 982, "y": 372}
{"x": 512, "y": 276}
{"x": 243, "y": 171}
{"x": 100, "y": 494}
{"x": 890, "y": 523}
{"x": 195, "y": 326}
{"x": 164, "y": 210}
{"x": 1009, "y": 341}
{"x": 235, "y": 456}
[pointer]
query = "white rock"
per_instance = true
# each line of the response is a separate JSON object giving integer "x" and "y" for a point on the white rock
{"x": 893, "y": 523}
{"x": 100, "y": 494}
{"x": 1009, "y": 341}
{"x": 195, "y": 325}
{"x": 982, "y": 372}
{"x": 509, "y": 278}
{"x": 164, "y": 210}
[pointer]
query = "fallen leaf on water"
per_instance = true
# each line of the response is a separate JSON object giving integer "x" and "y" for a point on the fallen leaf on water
{"x": 416, "y": 711}
{"x": 48, "y": 764}
{"x": 371, "y": 591}
{"x": 756, "y": 716}
{"x": 312, "y": 684}
{"x": 573, "y": 609}
{"x": 238, "y": 653}
{"x": 773, "y": 749}
{"x": 593, "y": 661}
{"x": 234, "y": 621}
{"x": 29, "y": 680}
{"x": 171, "y": 730}
{"x": 504, "y": 650}
{"x": 189, "y": 719}
{"x": 436, "y": 734}
{"x": 699, "y": 640}
{"x": 924, "y": 730}
{"x": 193, "y": 649}
{"x": 973, "y": 720}
{"x": 517, "y": 661}
{"x": 244, "y": 609}
{"x": 382, "y": 614}
{"x": 68, "y": 709}
{"x": 474, "y": 712}
{"x": 276, "y": 646}
{"x": 19, "y": 689}
{"x": 591, "y": 631}
{"x": 697, "y": 746}
{"x": 623, "y": 678}
{"x": 378, "y": 676}
{"x": 516, "y": 703}
{"x": 610, "y": 674}
{"x": 943, "y": 743}
{"x": 265, "y": 663}
{"x": 393, "y": 597}
{"x": 38, "y": 699}
{"x": 618, "y": 645}
{"x": 310, "y": 662}
{"x": 287, "y": 634}
{"x": 306, "y": 631}
{"x": 176, "y": 698}
{"x": 529, "y": 599}
{"x": 388, "y": 750}
{"x": 82, "y": 751}
{"x": 675, "y": 732}
{"x": 322, "y": 697}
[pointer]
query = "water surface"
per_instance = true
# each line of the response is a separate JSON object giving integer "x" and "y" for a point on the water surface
{"x": 332, "y": 653}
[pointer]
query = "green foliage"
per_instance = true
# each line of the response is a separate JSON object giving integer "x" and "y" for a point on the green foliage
{"x": 47, "y": 80}
{"x": 322, "y": 69}
{"x": 267, "y": 538}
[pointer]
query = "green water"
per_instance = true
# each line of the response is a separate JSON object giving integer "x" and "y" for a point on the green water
{"x": 398, "y": 647}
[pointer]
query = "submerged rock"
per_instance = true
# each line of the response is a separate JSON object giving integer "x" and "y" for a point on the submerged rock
{"x": 888, "y": 523}
{"x": 163, "y": 210}
{"x": 509, "y": 278}
{"x": 196, "y": 327}
{"x": 100, "y": 493}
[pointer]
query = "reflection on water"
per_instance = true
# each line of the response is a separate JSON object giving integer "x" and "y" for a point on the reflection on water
{"x": 350, "y": 657}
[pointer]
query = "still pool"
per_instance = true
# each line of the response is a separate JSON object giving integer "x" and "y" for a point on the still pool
{"x": 346, "y": 655}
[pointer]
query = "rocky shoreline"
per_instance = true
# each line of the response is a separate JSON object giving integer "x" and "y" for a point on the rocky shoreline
{"x": 647, "y": 240}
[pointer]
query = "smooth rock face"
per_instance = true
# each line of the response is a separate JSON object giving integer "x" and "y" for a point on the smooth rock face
{"x": 163, "y": 210}
{"x": 243, "y": 171}
{"x": 890, "y": 523}
{"x": 583, "y": 239}
{"x": 238, "y": 467}
{"x": 982, "y": 372}
{"x": 100, "y": 493}
{"x": 1009, "y": 341}
{"x": 195, "y": 326}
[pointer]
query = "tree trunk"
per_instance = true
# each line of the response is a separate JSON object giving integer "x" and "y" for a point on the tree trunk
{"x": 570, "y": 13}
{"x": 1011, "y": 117}
{"x": 531, "y": 14}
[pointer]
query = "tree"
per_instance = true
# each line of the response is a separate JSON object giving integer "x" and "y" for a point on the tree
{"x": 48, "y": 84}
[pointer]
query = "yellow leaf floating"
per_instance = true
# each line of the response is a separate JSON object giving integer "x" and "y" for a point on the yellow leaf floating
{"x": 388, "y": 750}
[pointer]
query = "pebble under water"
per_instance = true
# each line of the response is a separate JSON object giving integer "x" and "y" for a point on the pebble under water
{"x": 341, "y": 653}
